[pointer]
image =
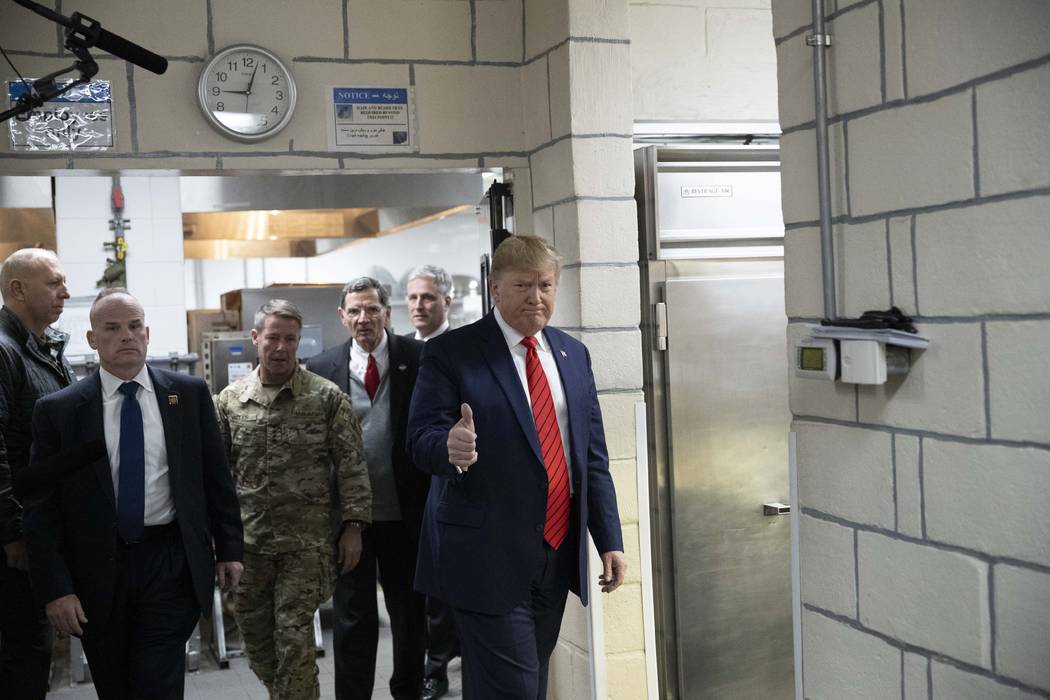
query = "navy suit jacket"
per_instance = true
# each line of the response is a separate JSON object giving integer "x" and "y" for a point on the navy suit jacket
{"x": 482, "y": 534}
{"x": 71, "y": 526}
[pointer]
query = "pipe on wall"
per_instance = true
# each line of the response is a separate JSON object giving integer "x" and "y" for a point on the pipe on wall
{"x": 821, "y": 41}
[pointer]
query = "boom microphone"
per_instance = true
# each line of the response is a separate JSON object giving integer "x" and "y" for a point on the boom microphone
{"x": 83, "y": 32}
{"x": 117, "y": 45}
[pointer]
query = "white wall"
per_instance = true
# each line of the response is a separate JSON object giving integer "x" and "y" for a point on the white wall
{"x": 154, "y": 258}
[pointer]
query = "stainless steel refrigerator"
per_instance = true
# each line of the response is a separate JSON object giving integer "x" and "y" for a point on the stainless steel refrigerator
{"x": 715, "y": 359}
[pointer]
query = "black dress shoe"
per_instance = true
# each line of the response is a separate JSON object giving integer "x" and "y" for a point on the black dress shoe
{"x": 434, "y": 688}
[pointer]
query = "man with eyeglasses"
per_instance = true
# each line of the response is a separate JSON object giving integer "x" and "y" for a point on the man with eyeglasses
{"x": 378, "y": 370}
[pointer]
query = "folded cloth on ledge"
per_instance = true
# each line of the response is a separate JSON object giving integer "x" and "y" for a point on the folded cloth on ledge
{"x": 893, "y": 318}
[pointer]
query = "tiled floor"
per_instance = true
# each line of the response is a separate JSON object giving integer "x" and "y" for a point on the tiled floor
{"x": 238, "y": 682}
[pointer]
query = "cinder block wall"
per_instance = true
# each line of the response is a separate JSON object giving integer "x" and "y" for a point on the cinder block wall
{"x": 463, "y": 57}
{"x": 538, "y": 87}
{"x": 703, "y": 60}
{"x": 577, "y": 99}
{"x": 925, "y": 536}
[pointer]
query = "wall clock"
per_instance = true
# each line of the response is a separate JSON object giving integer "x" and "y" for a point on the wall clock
{"x": 246, "y": 93}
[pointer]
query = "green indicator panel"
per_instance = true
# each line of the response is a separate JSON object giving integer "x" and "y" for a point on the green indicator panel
{"x": 810, "y": 358}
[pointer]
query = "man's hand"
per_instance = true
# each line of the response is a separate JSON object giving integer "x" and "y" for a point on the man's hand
{"x": 66, "y": 615}
{"x": 16, "y": 555}
{"x": 349, "y": 548}
{"x": 462, "y": 440}
{"x": 229, "y": 575}
{"x": 615, "y": 569}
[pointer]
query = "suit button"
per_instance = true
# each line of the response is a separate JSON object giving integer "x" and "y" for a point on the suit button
{"x": 539, "y": 528}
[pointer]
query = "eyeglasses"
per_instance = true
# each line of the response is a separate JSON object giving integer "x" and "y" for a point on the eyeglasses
{"x": 372, "y": 310}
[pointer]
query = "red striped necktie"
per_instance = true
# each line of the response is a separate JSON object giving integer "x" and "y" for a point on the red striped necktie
{"x": 556, "y": 526}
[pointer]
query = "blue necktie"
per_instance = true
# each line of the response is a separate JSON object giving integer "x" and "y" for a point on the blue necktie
{"x": 131, "y": 498}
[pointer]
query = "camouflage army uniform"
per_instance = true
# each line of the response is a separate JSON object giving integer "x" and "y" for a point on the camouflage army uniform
{"x": 287, "y": 449}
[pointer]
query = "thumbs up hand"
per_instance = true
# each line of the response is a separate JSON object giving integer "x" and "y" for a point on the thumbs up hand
{"x": 462, "y": 440}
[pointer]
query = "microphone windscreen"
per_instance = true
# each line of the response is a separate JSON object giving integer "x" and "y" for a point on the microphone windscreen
{"x": 131, "y": 52}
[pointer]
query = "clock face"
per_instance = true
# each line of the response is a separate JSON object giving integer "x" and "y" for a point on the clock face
{"x": 246, "y": 93}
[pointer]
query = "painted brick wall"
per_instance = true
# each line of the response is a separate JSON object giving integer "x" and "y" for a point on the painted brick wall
{"x": 925, "y": 540}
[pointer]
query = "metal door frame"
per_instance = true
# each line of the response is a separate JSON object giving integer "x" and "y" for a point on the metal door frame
{"x": 654, "y": 273}
{"x": 652, "y": 276}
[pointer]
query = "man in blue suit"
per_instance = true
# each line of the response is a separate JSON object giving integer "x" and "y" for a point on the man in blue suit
{"x": 123, "y": 537}
{"x": 505, "y": 416}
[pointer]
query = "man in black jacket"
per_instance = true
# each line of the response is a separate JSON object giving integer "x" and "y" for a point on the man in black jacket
{"x": 378, "y": 370}
{"x": 31, "y": 365}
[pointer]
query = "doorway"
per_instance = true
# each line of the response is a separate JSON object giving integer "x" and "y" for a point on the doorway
{"x": 715, "y": 361}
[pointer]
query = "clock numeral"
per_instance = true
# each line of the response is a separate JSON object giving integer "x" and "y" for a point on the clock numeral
{"x": 264, "y": 68}
{"x": 279, "y": 94}
{"x": 232, "y": 65}
{"x": 220, "y": 107}
{"x": 220, "y": 76}
{"x": 275, "y": 80}
{"x": 274, "y": 110}
{"x": 215, "y": 90}
{"x": 249, "y": 62}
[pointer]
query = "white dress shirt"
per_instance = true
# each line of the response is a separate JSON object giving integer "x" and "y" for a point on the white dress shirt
{"x": 359, "y": 359}
{"x": 550, "y": 368}
{"x": 160, "y": 507}
{"x": 440, "y": 329}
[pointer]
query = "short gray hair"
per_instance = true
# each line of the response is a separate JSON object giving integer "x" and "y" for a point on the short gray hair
{"x": 441, "y": 278}
{"x": 282, "y": 308}
{"x": 361, "y": 284}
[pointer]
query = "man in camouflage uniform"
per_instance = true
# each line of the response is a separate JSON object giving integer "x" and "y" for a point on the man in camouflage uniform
{"x": 294, "y": 444}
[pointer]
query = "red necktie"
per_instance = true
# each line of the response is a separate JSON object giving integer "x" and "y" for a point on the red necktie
{"x": 372, "y": 377}
{"x": 557, "y": 524}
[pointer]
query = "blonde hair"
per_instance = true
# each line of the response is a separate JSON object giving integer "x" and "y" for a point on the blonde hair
{"x": 526, "y": 254}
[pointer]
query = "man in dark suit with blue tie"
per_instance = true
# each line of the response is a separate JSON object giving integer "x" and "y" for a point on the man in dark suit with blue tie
{"x": 506, "y": 415}
{"x": 123, "y": 545}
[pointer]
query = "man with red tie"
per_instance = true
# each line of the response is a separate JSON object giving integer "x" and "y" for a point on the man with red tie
{"x": 506, "y": 413}
{"x": 378, "y": 371}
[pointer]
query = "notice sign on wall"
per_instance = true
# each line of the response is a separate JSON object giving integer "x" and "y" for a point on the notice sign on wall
{"x": 78, "y": 120}
{"x": 371, "y": 119}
